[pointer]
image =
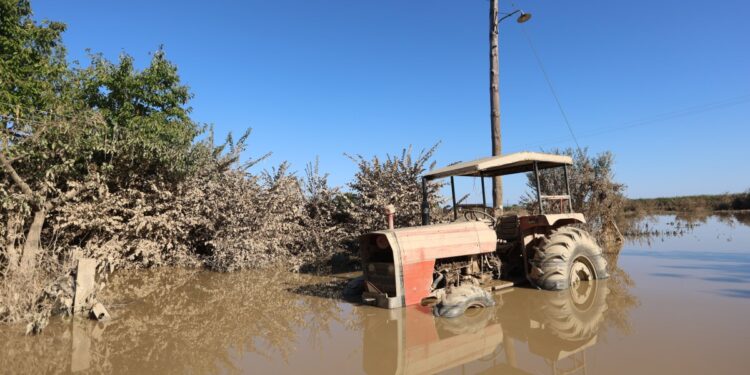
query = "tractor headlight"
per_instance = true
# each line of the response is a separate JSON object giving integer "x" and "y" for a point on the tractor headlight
{"x": 390, "y": 269}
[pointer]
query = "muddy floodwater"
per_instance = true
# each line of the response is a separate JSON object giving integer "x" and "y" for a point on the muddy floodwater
{"x": 677, "y": 302}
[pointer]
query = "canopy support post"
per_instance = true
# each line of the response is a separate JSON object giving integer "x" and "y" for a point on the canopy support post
{"x": 567, "y": 188}
{"x": 484, "y": 196}
{"x": 453, "y": 194}
{"x": 538, "y": 189}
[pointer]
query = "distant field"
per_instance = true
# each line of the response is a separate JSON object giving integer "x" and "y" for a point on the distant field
{"x": 723, "y": 202}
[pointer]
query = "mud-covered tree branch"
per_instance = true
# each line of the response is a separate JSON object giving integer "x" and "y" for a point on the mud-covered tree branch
{"x": 19, "y": 182}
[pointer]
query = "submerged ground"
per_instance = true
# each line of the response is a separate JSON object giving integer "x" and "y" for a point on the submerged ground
{"x": 676, "y": 303}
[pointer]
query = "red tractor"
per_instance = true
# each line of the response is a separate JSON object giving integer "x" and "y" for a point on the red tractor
{"x": 453, "y": 265}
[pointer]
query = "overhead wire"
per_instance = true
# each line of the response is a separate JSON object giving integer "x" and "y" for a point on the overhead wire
{"x": 688, "y": 111}
{"x": 656, "y": 118}
{"x": 551, "y": 87}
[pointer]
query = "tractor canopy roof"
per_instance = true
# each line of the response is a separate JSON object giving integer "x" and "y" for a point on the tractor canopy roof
{"x": 501, "y": 165}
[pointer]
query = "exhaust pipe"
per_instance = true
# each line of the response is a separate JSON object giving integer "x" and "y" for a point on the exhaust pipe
{"x": 390, "y": 211}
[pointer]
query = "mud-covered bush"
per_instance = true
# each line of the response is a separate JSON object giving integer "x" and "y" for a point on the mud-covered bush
{"x": 395, "y": 180}
{"x": 129, "y": 228}
{"x": 225, "y": 218}
{"x": 324, "y": 222}
{"x": 222, "y": 217}
{"x": 593, "y": 190}
{"x": 259, "y": 224}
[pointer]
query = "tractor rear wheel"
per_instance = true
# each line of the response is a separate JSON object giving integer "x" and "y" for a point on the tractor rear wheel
{"x": 565, "y": 258}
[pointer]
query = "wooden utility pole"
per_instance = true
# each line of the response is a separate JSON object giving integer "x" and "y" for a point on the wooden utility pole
{"x": 497, "y": 182}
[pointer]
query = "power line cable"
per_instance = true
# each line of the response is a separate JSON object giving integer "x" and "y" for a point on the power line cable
{"x": 688, "y": 111}
{"x": 551, "y": 87}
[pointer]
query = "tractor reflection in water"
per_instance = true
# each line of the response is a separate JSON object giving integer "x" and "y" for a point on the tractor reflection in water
{"x": 527, "y": 331}
{"x": 455, "y": 266}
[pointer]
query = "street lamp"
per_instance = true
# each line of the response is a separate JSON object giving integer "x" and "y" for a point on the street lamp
{"x": 521, "y": 19}
{"x": 497, "y": 183}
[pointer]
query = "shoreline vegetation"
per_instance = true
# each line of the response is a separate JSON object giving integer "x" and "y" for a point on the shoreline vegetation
{"x": 689, "y": 203}
{"x": 689, "y": 212}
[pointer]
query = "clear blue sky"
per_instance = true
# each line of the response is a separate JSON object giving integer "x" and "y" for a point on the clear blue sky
{"x": 320, "y": 78}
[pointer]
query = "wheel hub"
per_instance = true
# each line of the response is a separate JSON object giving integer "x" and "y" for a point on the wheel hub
{"x": 580, "y": 271}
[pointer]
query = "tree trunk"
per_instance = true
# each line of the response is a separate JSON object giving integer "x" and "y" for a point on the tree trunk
{"x": 32, "y": 246}
{"x": 11, "y": 250}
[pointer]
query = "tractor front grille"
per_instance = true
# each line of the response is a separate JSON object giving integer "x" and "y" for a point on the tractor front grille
{"x": 381, "y": 277}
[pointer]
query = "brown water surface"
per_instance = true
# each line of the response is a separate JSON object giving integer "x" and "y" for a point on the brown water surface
{"x": 674, "y": 304}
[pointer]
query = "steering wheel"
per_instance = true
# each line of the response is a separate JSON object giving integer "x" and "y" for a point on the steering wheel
{"x": 473, "y": 215}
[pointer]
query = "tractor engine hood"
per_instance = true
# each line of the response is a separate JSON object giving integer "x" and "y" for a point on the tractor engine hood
{"x": 398, "y": 264}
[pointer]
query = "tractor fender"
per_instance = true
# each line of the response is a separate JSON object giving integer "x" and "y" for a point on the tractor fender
{"x": 528, "y": 223}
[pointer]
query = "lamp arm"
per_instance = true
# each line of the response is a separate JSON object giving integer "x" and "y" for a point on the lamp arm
{"x": 508, "y": 15}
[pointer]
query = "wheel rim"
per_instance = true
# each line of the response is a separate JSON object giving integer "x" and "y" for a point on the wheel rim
{"x": 580, "y": 271}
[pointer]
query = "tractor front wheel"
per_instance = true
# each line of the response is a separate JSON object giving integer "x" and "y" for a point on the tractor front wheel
{"x": 565, "y": 258}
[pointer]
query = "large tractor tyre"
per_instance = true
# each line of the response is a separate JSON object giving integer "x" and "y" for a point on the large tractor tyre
{"x": 566, "y": 257}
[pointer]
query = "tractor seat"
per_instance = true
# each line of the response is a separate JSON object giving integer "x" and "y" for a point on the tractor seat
{"x": 508, "y": 228}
